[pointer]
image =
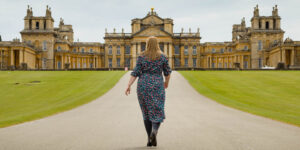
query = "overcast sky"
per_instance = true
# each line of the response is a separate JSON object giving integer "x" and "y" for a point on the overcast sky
{"x": 90, "y": 17}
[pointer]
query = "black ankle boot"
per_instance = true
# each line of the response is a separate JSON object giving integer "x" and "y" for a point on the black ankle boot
{"x": 149, "y": 142}
{"x": 153, "y": 139}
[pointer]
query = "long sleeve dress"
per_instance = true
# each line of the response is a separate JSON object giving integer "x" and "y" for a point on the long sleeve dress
{"x": 150, "y": 86}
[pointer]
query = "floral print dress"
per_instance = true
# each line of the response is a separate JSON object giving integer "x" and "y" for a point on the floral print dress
{"x": 150, "y": 86}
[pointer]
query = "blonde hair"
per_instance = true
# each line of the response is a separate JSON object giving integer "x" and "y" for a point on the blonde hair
{"x": 152, "y": 50}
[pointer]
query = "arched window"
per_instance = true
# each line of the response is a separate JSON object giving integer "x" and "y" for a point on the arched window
{"x": 91, "y": 50}
{"x": 245, "y": 47}
{"x": 74, "y": 50}
{"x": 118, "y": 50}
{"x": 186, "y": 50}
{"x": 58, "y": 48}
{"x": 194, "y": 50}
{"x": 82, "y": 50}
{"x": 110, "y": 50}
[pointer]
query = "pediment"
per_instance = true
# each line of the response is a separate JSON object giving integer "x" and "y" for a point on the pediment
{"x": 152, "y": 31}
{"x": 152, "y": 20}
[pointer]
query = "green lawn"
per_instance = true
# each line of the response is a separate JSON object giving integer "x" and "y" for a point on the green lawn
{"x": 273, "y": 94}
{"x": 29, "y": 95}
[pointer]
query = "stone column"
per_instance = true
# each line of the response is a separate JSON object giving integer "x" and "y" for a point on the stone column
{"x": 88, "y": 62}
{"x": 81, "y": 65}
{"x": 106, "y": 56}
{"x": 96, "y": 62}
{"x": 242, "y": 63}
{"x": 171, "y": 55}
{"x": 133, "y": 50}
{"x": 139, "y": 48}
{"x": 21, "y": 57}
{"x": 190, "y": 59}
{"x": 122, "y": 62}
{"x": 11, "y": 57}
{"x": 293, "y": 57}
{"x": 165, "y": 48}
{"x": 227, "y": 61}
{"x": 114, "y": 59}
{"x": 62, "y": 62}
{"x": 207, "y": 62}
{"x": 182, "y": 55}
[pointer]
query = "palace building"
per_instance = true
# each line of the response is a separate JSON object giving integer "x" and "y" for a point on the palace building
{"x": 44, "y": 46}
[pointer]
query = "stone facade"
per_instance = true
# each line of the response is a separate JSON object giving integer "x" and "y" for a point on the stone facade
{"x": 44, "y": 46}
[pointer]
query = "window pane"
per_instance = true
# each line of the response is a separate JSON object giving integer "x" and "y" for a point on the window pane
{"x": 176, "y": 47}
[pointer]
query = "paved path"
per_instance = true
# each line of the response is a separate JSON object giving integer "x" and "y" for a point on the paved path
{"x": 114, "y": 121}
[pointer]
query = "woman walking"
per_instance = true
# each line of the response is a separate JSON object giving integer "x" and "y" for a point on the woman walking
{"x": 151, "y": 86}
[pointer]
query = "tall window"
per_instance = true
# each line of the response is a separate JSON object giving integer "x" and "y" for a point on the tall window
{"x": 58, "y": 48}
{"x": 37, "y": 25}
{"x": 213, "y": 65}
{"x": 74, "y": 63}
{"x": 118, "y": 62}
{"x": 127, "y": 49}
{"x": 225, "y": 65}
{"x": 127, "y": 62}
{"x": 177, "y": 62}
{"x": 44, "y": 63}
{"x": 84, "y": 63}
{"x": 177, "y": 51}
{"x": 185, "y": 62}
{"x": 74, "y": 50}
{"x": 82, "y": 50}
{"x": 58, "y": 65}
{"x": 230, "y": 50}
{"x": 245, "y": 64}
{"x": 194, "y": 62}
{"x": 45, "y": 24}
{"x": 267, "y": 25}
{"x": 245, "y": 47}
{"x": 78, "y": 63}
{"x": 143, "y": 46}
{"x": 91, "y": 50}
{"x": 118, "y": 50}
{"x": 259, "y": 45}
{"x": 220, "y": 65}
{"x": 186, "y": 50}
{"x": 161, "y": 46}
{"x": 91, "y": 65}
{"x": 110, "y": 50}
{"x": 259, "y": 63}
{"x": 194, "y": 50}
{"x": 45, "y": 45}
{"x": 110, "y": 62}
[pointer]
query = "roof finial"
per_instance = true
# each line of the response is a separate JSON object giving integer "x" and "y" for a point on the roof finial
{"x": 152, "y": 10}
